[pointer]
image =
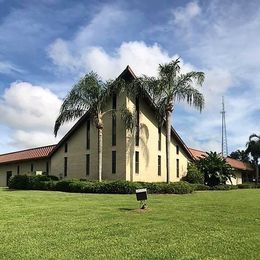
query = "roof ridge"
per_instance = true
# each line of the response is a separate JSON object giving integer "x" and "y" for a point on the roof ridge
{"x": 28, "y": 149}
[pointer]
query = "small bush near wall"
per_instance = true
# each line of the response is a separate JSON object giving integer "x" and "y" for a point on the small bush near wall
{"x": 248, "y": 185}
{"x": 200, "y": 187}
{"x": 194, "y": 175}
{"x": 31, "y": 182}
{"x": 19, "y": 182}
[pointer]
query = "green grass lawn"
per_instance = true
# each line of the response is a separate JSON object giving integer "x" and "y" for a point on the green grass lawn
{"x": 203, "y": 225}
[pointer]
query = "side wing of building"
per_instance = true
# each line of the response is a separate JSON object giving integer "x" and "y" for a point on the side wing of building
{"x": 28, "y": 161}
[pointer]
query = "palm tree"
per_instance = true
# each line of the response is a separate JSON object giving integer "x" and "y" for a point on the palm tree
{"x": 169, "y": 87}
{"x": 90, "y": 95}
{"x": 215, "y": 169}
{"x": 253, "y": 148}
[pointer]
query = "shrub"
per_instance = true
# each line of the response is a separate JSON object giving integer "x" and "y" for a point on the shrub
{"x": 19, "y": 182}
{"x": 120, "y": 187}
{"x": 63, "y": 185}
{"x": 172, "y": 188}
{"x": 75, "y": 186}
{"x": 40, "y": 182}
{"x": 31, "y": 182}
{"x": 246, "y": 185}
{"x": 194, "y": 175}
{"x": 181, "y": 187}
{"x": 221, "y": 187}
{"x": 53, "y": 178}
{"x": 200, "y": 187}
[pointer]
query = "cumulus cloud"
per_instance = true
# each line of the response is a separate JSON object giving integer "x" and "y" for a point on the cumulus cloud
{"x": 143, "y": 59}
{"x": 25, "y": 106}
{"x": 29, "y": 112}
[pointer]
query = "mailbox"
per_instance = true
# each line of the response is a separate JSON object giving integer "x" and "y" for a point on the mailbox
{"x": 141, "y": 194}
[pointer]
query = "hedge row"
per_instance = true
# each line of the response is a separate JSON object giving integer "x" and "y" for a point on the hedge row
{"x": 26, "y": 182}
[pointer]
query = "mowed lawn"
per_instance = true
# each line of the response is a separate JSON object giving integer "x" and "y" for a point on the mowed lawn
{"x": 56, "y": 225}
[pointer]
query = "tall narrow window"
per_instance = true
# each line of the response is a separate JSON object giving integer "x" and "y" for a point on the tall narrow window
{"x": 65, "y": 166}
{"x": 113, "y": 130}
{"x": 159, "y": 165}
{"x": 177, "y": 168}
{"x": 159, "y": 138}
{"x": 114, "y": 101}
{"x": 18, "y": 169}
{"x": 136, "y": 162}
{"x": 66, "y": 148}
{"x": 114, "y": 104}
{"x": 177, "y": 149}
{"x": 31, "y": 167}
{"x": 87, "y": 164}
{"x": 137, "y": 133}
{"x": 47, "y": 168}
{"x": 113, "y": 161}
{"x": 88, "y": 135}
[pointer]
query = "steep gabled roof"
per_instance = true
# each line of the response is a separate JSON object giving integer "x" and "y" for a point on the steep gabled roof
{"x": 236, "y": 164}
{"x": 28, "y": 154}
{"x": 130, "y": 75}
{"x": 127, "y": 75}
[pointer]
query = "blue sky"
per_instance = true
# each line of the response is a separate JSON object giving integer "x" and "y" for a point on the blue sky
{"x": 45, "y": 46}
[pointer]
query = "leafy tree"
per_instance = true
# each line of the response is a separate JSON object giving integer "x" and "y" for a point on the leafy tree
{"x": 215, "y": 169}
{"x": 194, "y": 175}
{"x": 170, "y": 87}
{"x": 90, "y": 95}
{"x": 253, "y": 148}
{"x": 240, "y": 155}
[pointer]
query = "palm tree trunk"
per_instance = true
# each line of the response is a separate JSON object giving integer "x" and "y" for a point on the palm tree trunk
{"x": 168, "y": 144}
{"x": 100, "y": 147}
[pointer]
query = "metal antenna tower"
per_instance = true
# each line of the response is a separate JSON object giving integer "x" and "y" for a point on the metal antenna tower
{"x": 224, "y": 145}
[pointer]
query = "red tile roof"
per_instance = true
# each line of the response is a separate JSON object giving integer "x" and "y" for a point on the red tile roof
{"x": 197, "y": 154}
{"x": 236, "y": 164}
{"x": 29, "y": 154}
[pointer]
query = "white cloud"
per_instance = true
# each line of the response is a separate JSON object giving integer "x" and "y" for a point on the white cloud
{"x": 9, "y": 68}
{"x": 29, "y": 112}
{"x": 184, "y": 15}
{"x": 25, "y": 106}
{"x": 143, "y": 59}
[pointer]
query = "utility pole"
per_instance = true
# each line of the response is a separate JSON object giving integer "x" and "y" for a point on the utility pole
{"x": 224, "y": 146}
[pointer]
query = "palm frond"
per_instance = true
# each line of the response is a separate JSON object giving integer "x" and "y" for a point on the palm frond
{"x": 87, "y": 95}
{"x": 169, "y": 70}
{"x": 66, "y": 116}
{"x": 190, "y": 94}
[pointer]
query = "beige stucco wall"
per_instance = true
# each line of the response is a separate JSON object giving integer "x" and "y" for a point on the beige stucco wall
{"x": 76, "y": 155}
{"x": 148, "y": 150}
{"x": 25, "y": 168}
{"x": 237, "y": 180}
